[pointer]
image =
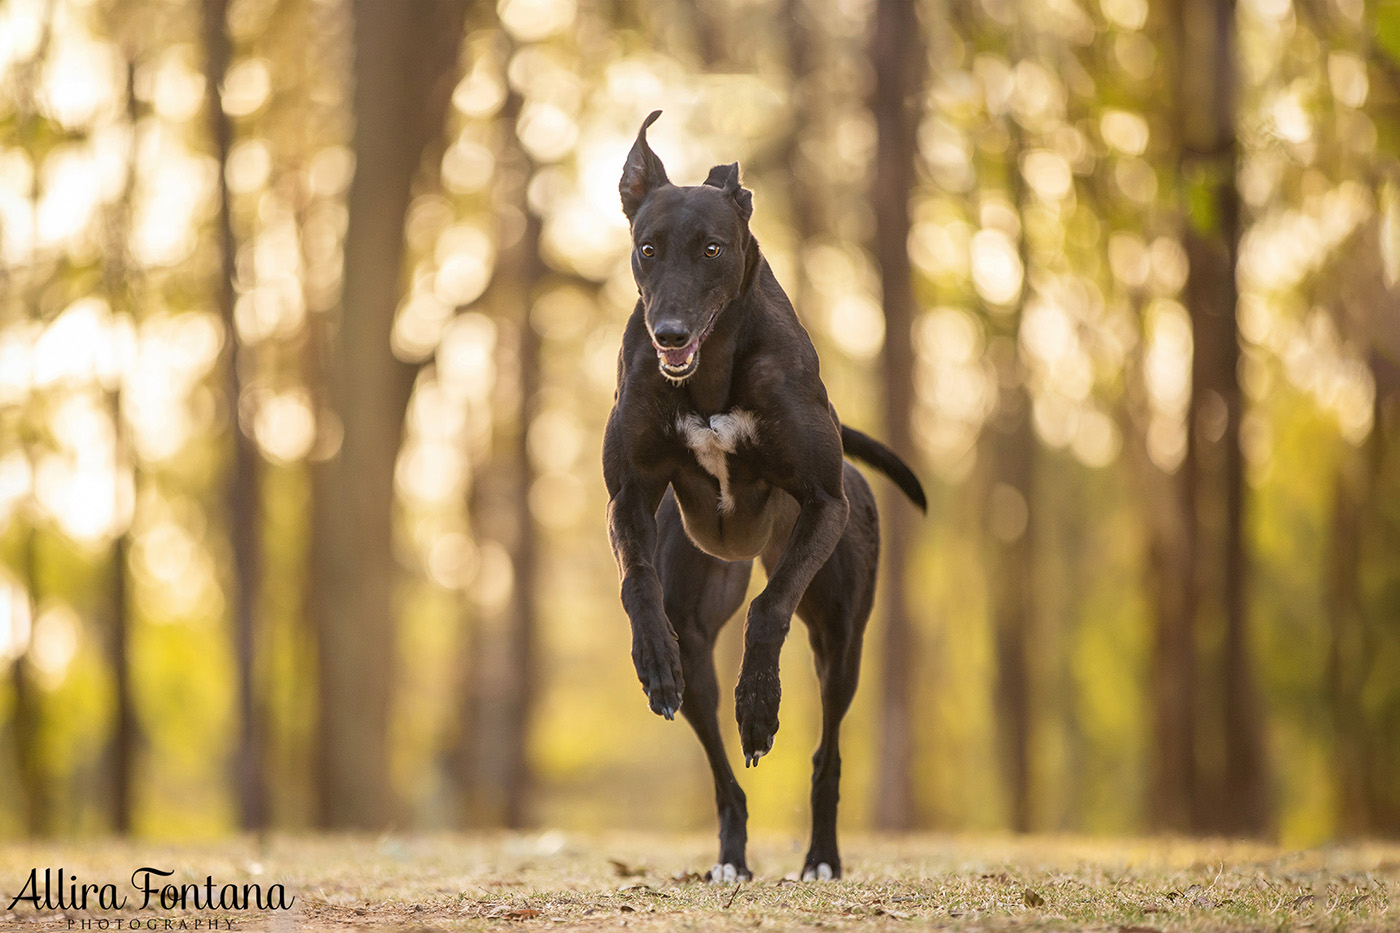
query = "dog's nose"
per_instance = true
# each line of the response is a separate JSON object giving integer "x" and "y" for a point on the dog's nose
{"x": 671, "y": 335}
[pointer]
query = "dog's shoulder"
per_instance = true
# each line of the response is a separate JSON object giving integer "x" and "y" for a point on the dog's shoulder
{"x": 780, "y": 356}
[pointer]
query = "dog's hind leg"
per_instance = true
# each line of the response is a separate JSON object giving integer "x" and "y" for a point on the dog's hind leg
{"x": 702, "y": 593}
{"x": 835, "y": 608}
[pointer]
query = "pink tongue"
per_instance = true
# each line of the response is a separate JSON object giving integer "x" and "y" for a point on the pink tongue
{"x": 677, "y": 357}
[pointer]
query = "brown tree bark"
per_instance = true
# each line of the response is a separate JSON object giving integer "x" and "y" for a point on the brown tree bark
{"x": 1009, "y": 445}
{"x": 1171, "y": 786}
{"x": 33, "y": 765}
{"x": 1376, "y": 684}
{"x": 899, "y": 58}
{"x": 1351, "y": 645}
{"x": 243, "y": 488}
{"x": 1231, "y": 794}
{"x": 495, "y": 777}
{"x": 1364, "y": 550}
{"x": 122, "y": 292}
{"x": 405, "y": 69}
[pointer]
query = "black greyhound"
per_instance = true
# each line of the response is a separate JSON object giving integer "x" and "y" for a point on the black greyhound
{"x": 722, "y": 447}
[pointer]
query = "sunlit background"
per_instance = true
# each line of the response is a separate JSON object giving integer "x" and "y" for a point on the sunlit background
{"x": 197, "y": 385}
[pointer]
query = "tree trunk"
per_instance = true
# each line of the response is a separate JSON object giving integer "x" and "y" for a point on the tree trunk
{"x": 1351, "y": 646}
{"x": 1231, "y": 795}
{"x": 1009, "y": 449}
{"x": 29, "y": 715}
{"x": 898, "y": 55}
{"x": 242, "y": 490}
{"x": 495, "y": 776}
{"x": 1171, "y": 790}
{"x": 121, "y": 291}
{"x": 405, "y": 69}
{"x": 1382, "y": 751}
{"x": 1010, "y": 445}
{"x": 32, "y": 759}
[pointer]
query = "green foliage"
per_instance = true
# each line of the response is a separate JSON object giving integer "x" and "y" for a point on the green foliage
{"x": 1049, "y": 209}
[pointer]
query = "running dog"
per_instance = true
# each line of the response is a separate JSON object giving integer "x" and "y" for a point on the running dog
{"x": 721, "y": 448}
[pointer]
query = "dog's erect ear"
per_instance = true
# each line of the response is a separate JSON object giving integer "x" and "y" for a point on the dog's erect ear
{"x": 726, "y": 178}
{"x": 643, "y": 172}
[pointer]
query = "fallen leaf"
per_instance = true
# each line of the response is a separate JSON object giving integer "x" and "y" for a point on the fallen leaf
{"x": 624, "y": 870}
{"x": 1300, "y": 902}
{"x": 892, "y": 914}
{"x": 1031, "y": 898}
{"x": 627, "y": 909}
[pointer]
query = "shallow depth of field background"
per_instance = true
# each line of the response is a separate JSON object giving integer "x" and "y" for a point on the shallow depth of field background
{"x": 308, "y": 332}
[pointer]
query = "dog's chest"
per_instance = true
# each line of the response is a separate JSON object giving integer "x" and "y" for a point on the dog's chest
{"x": 714, "y": 440}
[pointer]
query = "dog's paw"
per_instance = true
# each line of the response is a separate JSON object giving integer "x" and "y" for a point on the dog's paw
{"x": 728, "y": 873}
{"x": 658, "y": 661}
{"x": 821, "y": 871}
{"x": 756, "y": 700}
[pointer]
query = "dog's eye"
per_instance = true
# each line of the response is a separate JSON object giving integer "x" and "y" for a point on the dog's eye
{"x": 648, "y": 250}
{"x": 713, "y": 250}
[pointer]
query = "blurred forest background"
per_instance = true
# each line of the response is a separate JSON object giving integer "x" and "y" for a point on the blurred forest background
{"x": 309, "y": 313}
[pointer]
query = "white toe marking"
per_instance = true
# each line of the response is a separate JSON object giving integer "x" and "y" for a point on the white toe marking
{"x": 824, "y": 872}
{"x": 724, "y": 874}
{"x": 713, "y": 441}
{"x": 809, "y": 875}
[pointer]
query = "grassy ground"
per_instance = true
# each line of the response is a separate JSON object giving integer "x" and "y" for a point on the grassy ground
{"x": 567, "y": 882}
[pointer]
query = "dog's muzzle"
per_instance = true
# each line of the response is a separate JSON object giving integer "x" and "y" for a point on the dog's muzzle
{"x": 679, "y": 363}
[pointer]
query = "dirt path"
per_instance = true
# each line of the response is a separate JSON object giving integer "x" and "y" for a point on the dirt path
{"x": 563, "y": 882}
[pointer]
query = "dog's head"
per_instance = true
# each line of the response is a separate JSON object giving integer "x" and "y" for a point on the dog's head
{"x": 692, "y": 252}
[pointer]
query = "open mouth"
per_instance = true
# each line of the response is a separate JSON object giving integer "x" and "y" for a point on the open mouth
{"x": 680, "y": 363}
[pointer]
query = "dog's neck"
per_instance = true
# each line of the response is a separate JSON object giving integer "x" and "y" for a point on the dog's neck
{"x": 711, "y": 387}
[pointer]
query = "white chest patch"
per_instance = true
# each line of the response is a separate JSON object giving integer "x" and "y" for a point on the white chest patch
{"x": 714, "y": 440}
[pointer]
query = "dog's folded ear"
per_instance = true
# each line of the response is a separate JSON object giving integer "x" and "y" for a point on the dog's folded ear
{"x": 726, "y": 178}
{"x": 643, "y": 172}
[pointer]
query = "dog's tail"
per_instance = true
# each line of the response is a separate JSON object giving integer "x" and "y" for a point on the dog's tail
{"x": 868, "y": 450}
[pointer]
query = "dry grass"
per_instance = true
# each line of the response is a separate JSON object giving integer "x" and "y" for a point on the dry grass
{"x": 568, "y": 882}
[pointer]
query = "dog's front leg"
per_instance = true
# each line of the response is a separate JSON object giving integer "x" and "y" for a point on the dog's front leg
{"x": 814, "y": 536}
{"x": 655, "y": 651}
